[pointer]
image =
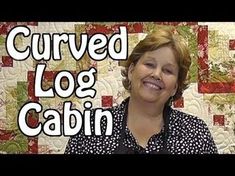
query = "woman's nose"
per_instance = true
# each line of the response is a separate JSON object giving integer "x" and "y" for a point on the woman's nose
{"x": 157, "y": 73}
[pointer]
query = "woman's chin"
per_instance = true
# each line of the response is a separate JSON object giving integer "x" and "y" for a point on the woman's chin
{"x": 150, "y": 98}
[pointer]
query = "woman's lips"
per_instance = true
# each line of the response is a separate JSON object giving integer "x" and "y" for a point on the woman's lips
{"x": 154, "y": 84}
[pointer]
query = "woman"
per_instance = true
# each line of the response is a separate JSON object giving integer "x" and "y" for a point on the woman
{"x": 155, "y": 74}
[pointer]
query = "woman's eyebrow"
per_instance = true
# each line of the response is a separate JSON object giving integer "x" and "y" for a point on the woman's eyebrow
{"x": 148, "y": 58}
{"x": 171, "y": 64}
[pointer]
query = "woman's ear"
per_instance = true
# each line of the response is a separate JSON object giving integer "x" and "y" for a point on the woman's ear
{"x": 130, "y": 70}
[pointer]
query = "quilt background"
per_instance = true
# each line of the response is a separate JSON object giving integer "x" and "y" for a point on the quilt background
{"x": 210, "y": 95}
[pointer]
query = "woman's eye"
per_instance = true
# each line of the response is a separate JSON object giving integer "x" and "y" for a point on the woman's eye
{"x": 168, "y": 71}
{"x": 149, "y": 64}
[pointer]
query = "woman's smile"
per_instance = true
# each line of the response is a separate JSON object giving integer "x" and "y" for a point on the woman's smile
{"x": 154, "y": 84}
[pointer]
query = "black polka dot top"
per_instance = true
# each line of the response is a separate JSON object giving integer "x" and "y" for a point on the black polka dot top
{"x": 181, "y": 134}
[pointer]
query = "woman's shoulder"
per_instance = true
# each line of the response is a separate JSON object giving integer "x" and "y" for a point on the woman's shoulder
{"x": 189, "y": 122}
{"x": 192, "y": 129}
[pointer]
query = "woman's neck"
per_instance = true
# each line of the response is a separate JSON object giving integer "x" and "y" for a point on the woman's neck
{"x": 145, "y": 110}
{"x": 144, "y": 120}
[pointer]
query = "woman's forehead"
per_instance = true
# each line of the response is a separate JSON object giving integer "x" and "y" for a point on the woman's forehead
{"x": 165, "y": 55}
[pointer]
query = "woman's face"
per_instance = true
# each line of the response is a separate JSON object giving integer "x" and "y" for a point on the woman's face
{"x": 155, "y": 75}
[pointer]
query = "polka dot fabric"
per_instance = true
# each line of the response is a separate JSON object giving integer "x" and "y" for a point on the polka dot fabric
{"x": 187, "y": 134}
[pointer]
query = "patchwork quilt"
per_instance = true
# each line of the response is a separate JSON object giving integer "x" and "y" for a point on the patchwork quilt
{"x": 210, "y": 95}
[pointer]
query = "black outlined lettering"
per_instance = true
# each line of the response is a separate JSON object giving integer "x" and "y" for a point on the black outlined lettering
{"x": 39, "y": 92}
{"x": 83, "y": 90}
{"x": 22, "y": 122}
{"x": 58, "y": 38}
{"x": 70, "y": 130}
{"x": 10, "y": 43}
{"x": 68, "y": 120}
{"x": 57, "y": 124}
{"x": 52, "y": 126}
{"x": 46, "y": 47}
{"x": 99, "y": 46}
{"x": 100, "y": 113}
{"x": 87, "y": 118}
{"x": 96, "y": 44}
{"x": 122, "y": 37}
{"x": 71, "y": 84}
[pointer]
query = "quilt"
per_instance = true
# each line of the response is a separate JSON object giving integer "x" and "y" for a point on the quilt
{"x": 210, "y": 96}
